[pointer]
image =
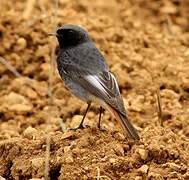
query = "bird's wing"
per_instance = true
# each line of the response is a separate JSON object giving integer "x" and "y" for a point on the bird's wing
{"x": 102, "y": 84}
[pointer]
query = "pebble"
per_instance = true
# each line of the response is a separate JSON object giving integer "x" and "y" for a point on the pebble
{"x": 20, "y": 108}
{"x": 37, "y": 163}
{"x": 137, "y": 104}
{"x": 112, "y": 160}
{"x": 173, "y": 174}
{"x": 16, "y": 102}
{"x": 7, "y": 44}
{"x": 186, "y": 175}
{"x": 21, "y": 44}
{"x": 29, "y": 133}
{"x": 14, "y": 98}
{"x": 45, "y": 70}
{"x": 91, "y": 115}
{"x": 153, "y": 175}
{"x": 17, "y": 83}
{"x": 169, "y": 9}
{"x": 30, "y": 93}
{"x": 66, "y": 149}
{"x": 119, "y": 149}
{"x": 138, "y": 178}
{"x": 143, "y": 169}
{"x": 69, "y": 158}
{"x": 126, "y": 147}
{"x": 173, "y": 166}
{"x": 119, "y": 136}
{"x": 2, "y": 178}
{"x": 143, "y": 154}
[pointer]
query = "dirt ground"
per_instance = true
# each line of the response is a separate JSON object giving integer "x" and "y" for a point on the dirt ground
{"x": 146, "y": 46}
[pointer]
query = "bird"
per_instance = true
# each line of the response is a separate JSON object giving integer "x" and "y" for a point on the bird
{"x": 84, "y": 71}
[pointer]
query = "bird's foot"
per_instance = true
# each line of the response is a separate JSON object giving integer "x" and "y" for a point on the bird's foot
{"x": 99, "y": 127}
{"x": 80, "y": 127}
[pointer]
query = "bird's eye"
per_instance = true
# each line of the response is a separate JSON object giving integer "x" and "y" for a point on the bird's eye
{"x": 71, "y": 31}
{"x": 60, "y": 31}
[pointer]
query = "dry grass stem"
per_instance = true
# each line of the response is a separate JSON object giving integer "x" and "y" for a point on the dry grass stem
{"x": 51, "y": 76}
{"x": 29, "y": 8}
{"x": 98, "y": 177}
{"x": 157, "y": 96}
{"x": 26, "y": 80}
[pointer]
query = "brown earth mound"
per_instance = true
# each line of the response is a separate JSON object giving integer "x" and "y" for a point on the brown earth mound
{"x": 146, "y": 45}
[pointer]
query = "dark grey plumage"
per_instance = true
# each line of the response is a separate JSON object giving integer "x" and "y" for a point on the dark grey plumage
{"x": 85, "y": 72}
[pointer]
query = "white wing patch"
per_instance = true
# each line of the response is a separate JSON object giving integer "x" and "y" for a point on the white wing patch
{"x": 115, "y": 82}
{"x": 108, "y": 87}
{"x": 95, "y": 81}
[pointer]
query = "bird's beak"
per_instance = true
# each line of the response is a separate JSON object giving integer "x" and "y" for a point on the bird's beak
{"x": 53, "y": 34}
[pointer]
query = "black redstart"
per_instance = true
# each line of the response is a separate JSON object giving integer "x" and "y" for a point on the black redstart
{"x": 86, "y": 74}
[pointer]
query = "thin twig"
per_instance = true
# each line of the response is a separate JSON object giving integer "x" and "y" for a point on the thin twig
{"x": 158, "y": 99}
{"x": 10, "y": 67}
{"x": 51, "y": 76}
{"x": 169, "y": 25}
{"x": 28, "y": 9}
{"x": 159, "y": 107}
{"x": 27, "y": 81}
{"x": 98, "y": 177}
{"x": 62, "y": 124}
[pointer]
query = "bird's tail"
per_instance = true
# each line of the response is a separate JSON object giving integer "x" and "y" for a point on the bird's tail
{"x": 126, "y": 125}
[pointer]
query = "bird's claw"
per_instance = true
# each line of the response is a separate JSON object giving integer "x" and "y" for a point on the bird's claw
{"x": 80, "y": 127}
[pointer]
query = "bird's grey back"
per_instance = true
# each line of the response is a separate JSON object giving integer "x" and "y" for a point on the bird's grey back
{"x": 85, "y": 56}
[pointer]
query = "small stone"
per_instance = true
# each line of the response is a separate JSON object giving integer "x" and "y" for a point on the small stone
{"x": 169, "y": 9}
{"x": 69, "y": 158}
{"x": 66, "y": 149}
{"x": 58, "y": 159}
{"x": 7, "y": 44}
{"x": 14, "y": 98}
{"x": 173, "y": 174}
{"x": 30, "y": 93}
{"x": 126, "y": 147}
{"x": 186, "y": 175}
{"x": 20, "y": 108}
{"x": 30, "y": 132}
{"x": 37, "y": 163}
{"x": 143, "y": 169}
{"x": 59, "y": 102}
{"x": 137, "y": 104}
{"x": 17, "y": 83}
{"x": 154, "y": 176}
{"x": 2, "y": 178}
{"x": 138, "y": 178}
{"x": 119, "y": 136}
{"x": 93, "y": 160}
{"x": 119, "y": 149}
{"x": 21, "y": 44}
{"x": 112, "y": 160}
{"x": 16, "y": 102}
{"x": 173, "y": 166}
{"x": 42, "y": 51}
{"x": 45, "y": 70}
{"x": 143, "y": 154}
{"x": 91, "y": 114}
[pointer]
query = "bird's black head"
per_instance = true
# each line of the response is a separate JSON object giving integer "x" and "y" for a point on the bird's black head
{"x": 71, "y": 35}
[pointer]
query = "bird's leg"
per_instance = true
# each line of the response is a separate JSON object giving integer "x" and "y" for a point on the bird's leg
{"x": 101, "y": 111}
{"x": 81, "y": 126}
